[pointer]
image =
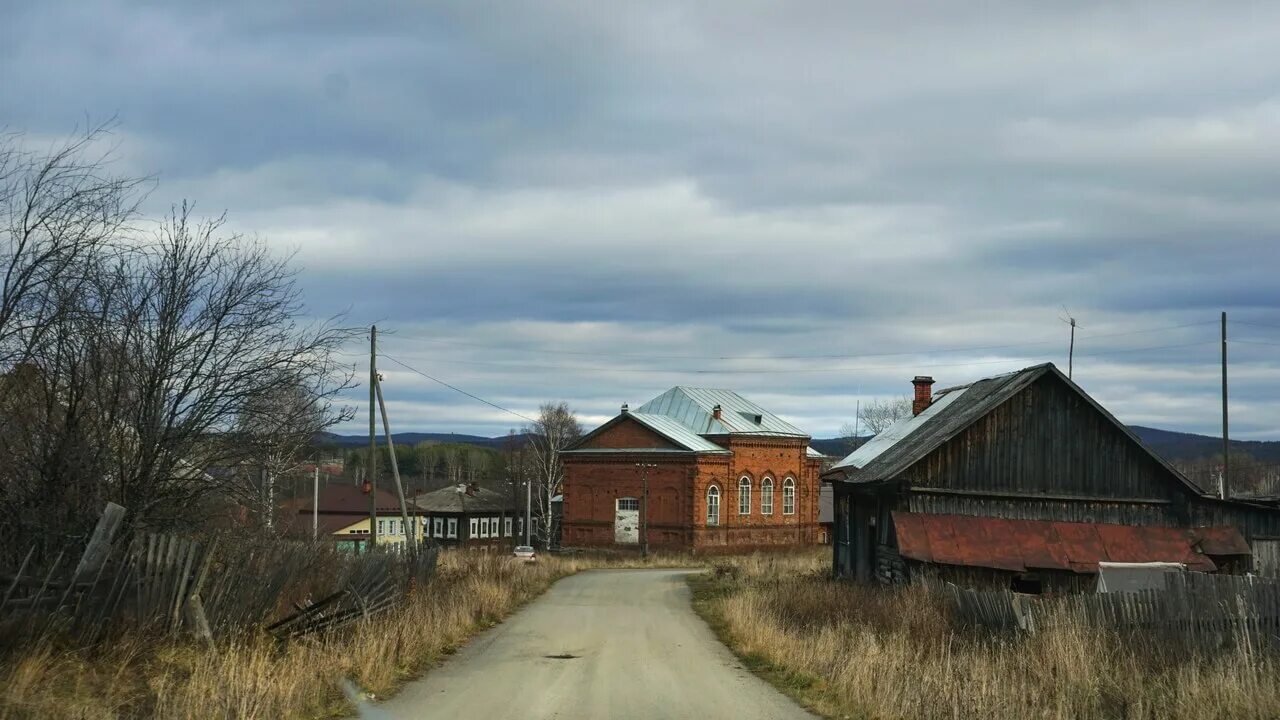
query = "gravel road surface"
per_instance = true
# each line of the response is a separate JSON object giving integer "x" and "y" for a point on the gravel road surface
{"x": 604, "y": 644}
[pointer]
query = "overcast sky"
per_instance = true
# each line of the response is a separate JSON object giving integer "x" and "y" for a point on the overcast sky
{"x": 809, "y": 203}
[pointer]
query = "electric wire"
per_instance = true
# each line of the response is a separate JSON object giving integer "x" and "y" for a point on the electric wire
{"x": 455, "y": 388}
{"x": 847, "y": 356}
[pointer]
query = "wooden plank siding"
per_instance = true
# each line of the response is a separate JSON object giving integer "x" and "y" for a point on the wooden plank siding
{"x": 1048, "y": 440}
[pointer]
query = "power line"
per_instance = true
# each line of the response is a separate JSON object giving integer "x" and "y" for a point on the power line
{"x": 1255, "y": 324}
{"x": 781, "y": 371}
{"x": 854, "y": 356}
{"x": 456, "y": 389}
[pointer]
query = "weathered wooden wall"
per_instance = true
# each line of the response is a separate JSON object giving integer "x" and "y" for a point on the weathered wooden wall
{"x": 1047, "y": 440}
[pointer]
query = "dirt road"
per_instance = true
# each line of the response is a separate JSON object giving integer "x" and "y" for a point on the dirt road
{"x": 605, "y": 644}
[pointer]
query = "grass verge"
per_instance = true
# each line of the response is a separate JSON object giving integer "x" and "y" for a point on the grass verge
{"x": 252, "y": 676}
{"x": 854, "y": 652}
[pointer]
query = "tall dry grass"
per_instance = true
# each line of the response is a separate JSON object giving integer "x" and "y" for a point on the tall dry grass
{"x": 255, "y": 677}
{"x": 859, "y": 652}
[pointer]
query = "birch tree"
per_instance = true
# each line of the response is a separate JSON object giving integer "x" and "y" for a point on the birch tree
{"x": 556, "y": 427}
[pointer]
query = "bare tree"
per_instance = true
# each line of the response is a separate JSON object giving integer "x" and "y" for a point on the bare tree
{"x": 555, "y": 428}
{"x": 275, "y": 427}
{"x": 877, "y": 415}
{"x": 137, "y": 377}
{"x": 58, "y": 212}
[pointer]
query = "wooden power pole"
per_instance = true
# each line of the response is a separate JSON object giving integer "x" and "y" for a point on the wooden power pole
{"x": 410, "y": 530}
{"x": 372, "y": 463}
{"x": 1226, "y": 442}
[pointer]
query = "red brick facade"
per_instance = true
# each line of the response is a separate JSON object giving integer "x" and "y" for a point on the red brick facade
{"x": 603, "y": 469}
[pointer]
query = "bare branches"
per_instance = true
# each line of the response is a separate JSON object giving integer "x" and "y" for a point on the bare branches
{"x": 877, "y": 415}
{"x": 556, "y": 428}
{"x": 57, "y": 212}
{"x": 139, "y": 368}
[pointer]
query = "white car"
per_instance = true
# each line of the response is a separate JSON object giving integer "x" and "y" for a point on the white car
{"x": 525, "y": 553}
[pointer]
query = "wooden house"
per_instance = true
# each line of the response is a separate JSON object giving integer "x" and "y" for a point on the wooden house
{"x": 1024, "y": 480}
{"x": 469, "y": 516}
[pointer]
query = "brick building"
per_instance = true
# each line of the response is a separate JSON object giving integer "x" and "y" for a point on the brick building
{"x": 722, "y": 474}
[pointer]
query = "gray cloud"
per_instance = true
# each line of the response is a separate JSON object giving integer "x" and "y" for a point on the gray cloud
{"x": 593, "y": 202}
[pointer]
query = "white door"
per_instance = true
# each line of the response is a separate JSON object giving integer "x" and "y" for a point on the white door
{"x": 626, "y": 521}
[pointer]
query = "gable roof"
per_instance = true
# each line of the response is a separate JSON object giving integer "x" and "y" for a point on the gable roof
{"x": 672, "y": 430}
{"x": 450, "y": 499}
{"x": 343, "y": 497}
{"x": 693, "y": 408}
{"x": 953, "y": 410}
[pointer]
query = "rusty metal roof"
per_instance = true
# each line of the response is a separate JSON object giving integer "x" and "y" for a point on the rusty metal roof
{"x": 1021, "y": 545}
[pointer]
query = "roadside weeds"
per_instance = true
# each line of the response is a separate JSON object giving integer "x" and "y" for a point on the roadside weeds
{"x": 846, "y": 651}
{"x": 253, "y": 676}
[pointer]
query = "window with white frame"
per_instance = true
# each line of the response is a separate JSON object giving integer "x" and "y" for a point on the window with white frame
{"x": 506, "y": 526}
{"x": 475, "y": 528}
{"x": 766, "y": 496}
{"x": 382, "y": 527}
{"x": 437, "y": 527}
{"x": 713, "y": 505}
{"x": 788, "y": 497}
{"x": 493, "y": 527}
{"x": 453, "y": 527}
{"x": 744, "y": 496}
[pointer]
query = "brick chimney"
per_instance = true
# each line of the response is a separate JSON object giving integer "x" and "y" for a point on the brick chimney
{"x": 715, "y": 412}
{"x": 924, "y": 394}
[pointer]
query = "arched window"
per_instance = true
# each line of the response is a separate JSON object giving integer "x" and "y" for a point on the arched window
{"x": 766, "y": 496}
{"x": 788, "y": 497}
{"x": 744, "y": 496}
{"x": 713, "y": 505}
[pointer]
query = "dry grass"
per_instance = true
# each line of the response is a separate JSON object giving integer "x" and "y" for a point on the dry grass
{"x": 253, "y": 677}
{"x": 858, "y": 652}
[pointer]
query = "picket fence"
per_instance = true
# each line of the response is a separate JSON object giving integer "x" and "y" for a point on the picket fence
{"x": 1198, "y": 608}
{"x": 209, "y": 587}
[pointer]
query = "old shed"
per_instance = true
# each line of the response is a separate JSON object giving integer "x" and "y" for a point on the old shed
{"x": 1023, "y": 479}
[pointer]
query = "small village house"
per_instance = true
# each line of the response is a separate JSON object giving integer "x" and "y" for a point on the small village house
{"x": 1023, "y": 480}
{"x": 469, "y": 516}
{"x": 343, "y": 517}
{"x": 720, "y": 472}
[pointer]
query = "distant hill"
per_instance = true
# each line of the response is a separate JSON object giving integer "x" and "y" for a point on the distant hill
{"x": 1169, "y": 444}
{"x": 1188, "y": 446}
{"x": 410, "y": 439}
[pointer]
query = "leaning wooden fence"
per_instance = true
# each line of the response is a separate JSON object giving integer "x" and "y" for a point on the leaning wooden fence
{"x": 1193, "y": 607}
{"x": 206, "y": 586}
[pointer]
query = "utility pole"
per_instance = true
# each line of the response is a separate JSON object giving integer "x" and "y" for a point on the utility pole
{"x": 1225, "y": 482}
{"x": 371, "y": 480}
{"x": 528, "y": 504}
{"x": 1071, "y": 349}
{"x": 410, "y": 531}
{"x": 644, "y": 507}
{"x": 315, "y": 503}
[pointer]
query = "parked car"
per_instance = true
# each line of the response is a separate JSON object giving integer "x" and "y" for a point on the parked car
{"x": 525, "y": 553}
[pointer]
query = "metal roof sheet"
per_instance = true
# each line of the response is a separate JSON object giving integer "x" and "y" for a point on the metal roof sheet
{"x": 1020, "y": 545}
{"x": 890, "y": 436}
{"x": 673, "y": 430}
{"x": 692, "y": 407}
{"x": 952, "y": 411}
